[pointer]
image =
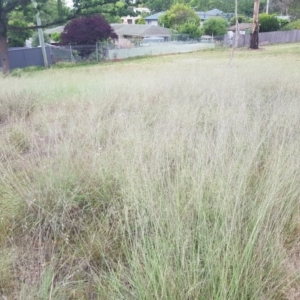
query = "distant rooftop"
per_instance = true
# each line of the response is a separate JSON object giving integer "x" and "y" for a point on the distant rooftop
{"x": 155, "y": 16}
{"x": 59, "y": 29}
{"x": 242, "y": 27}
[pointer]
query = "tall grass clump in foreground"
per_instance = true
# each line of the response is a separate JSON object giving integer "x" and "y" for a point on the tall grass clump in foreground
{"x": 180, "y": 181}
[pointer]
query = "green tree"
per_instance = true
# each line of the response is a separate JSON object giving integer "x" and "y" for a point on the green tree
{"x": 193, "y": 30}
{"x": 292, "y": 26}
{"x": 141, "y": 21}
{"x": 56, "y": 37}
{"x": 177, "y": 15}
{"x": 35, "y": 39}
{"x": 17, "y": 38}
{"x": 7, "y": 7}
{"x": 159, "y": 5}
{"x": 268, "y": 23}
{"x": 54, "y": 10}
{"x": 112, "y": 10}
{"x": 241, "y": 19}
{"x": 215, "y": 26}
{"x": 295, "y": 9}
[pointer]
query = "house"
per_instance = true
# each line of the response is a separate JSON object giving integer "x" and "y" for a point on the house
{"x": 128, "y": 34}
{"x": 153, "y": 19}
{"x": 58, "y": 29}
{"x": 133, "y": 20}
{"x": 140, "y": 31}
{"x": 203, "y": 15}
{"x": 244, "y": 28}
{"x": 129, "y": 20}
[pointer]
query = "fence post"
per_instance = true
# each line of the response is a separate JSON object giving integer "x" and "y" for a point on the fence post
{"x": 71, "y": 53}
{"x": 25, "y": 60}
{"x": 107, "y": 49}
{"x": 97, "y": 52}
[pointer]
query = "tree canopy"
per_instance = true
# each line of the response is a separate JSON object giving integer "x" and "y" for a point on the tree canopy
{"x": 179, "y": 14}
{"x": 245, "y": 7}
{"x": 87, "y": 31}
{"x": 215, "y": 26}
{"x": 25, "y": 9}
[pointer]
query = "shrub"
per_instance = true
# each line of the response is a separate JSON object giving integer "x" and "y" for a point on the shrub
{"x": 193, "y": 30}
{"x": 292, "y": 26}
{"x": 215, "y": 26}
{"x": 268, "y": 23}
{"x": 56, "y": 36}
{"x": 283, "y": 22}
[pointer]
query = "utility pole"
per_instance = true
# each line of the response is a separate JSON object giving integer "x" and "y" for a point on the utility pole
{"x": 254, "y": 38}
{"x": 267, "y": 8}
{"x": 41, "y": 36}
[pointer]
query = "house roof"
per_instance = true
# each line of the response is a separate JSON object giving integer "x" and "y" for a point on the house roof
{"x": 116, "y": 26}
{"x": 155, "y": 16}
{"x": 59, "y": 29}
{"x": 242, "y": 26}
{"x": 204, "y": 15}
{"x": 214, "y": 12}
{"x": 140, "y": 30}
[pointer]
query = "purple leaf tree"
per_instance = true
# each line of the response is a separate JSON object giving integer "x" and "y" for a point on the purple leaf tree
{"x": 87, "y": 31}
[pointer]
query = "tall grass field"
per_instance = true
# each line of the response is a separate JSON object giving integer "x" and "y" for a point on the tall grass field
{"x": 171, "y": 178}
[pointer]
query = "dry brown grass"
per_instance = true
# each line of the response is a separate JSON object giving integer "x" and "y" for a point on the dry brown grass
{"x": 162, "y": 178}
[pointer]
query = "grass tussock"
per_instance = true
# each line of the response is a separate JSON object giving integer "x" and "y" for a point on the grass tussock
{"x": 169, "y": 178}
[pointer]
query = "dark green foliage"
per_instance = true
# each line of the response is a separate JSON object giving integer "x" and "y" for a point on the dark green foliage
{"x": 283, "y": 22}
{"x": 268, "y": 23}
{"x": 292, "y": 26}
{"x": 159, "y": 5}
{"x": 215, "y": 26}
{"x": 16, "y": 38}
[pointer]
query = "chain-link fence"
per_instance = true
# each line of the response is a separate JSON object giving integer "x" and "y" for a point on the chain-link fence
{"x": 81, "y": 53}
{"x": 103, "y": 50}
